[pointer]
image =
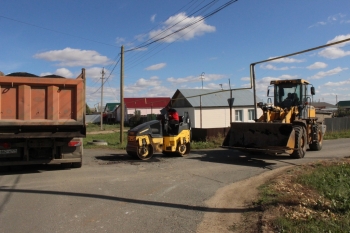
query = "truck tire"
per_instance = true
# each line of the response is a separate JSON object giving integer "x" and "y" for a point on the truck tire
{"x": 316, "y": 146}
{"x": 66, "y": 165}
{"x": 77, "y": 165}
{"x": 300, "y": 142}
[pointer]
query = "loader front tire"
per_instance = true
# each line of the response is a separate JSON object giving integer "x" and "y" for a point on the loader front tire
{"x": 317, "y": 146}
{"x": 300, "y": 142}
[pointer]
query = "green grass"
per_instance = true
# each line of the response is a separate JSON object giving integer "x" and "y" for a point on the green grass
{"x": 336, "y": 135}
{"x": 328, "y": 184}
{"x": 105, "y": 127}
{"x": 332, "y": 182}
{"x": 113, "y": 140}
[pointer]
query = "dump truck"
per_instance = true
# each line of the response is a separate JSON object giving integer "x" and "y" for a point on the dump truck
{"x": 287, "y": 125}
{"x": 42, "y": 119}
{"x": 160, "y": 136}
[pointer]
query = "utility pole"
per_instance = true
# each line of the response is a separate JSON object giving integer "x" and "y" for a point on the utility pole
{"x": 202, "y": 77}
{"x": 229, "y": 83}
{"x": 122, "y": 95}
{"x": 103, "y": 73}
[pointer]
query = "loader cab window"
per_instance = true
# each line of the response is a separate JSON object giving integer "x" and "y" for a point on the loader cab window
{"x": 288, "y": 95}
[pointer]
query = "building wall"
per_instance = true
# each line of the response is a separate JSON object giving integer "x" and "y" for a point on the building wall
{"x": 215, "y": 117}
{"x": 144, "y": 111}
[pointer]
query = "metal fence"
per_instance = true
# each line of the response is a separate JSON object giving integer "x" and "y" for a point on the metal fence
{"x": 337, "y": 124}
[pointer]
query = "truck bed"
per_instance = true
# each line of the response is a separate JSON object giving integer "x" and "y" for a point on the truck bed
{"x": 42, "y": 106}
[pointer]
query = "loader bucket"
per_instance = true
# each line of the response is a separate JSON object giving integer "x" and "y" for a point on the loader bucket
{"x": 275, "y": 137}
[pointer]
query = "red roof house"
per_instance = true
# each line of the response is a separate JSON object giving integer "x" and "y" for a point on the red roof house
{"x": 146, "y": 105}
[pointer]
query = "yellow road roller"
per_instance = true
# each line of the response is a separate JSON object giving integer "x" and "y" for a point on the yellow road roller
{"x": 160, "y": 136}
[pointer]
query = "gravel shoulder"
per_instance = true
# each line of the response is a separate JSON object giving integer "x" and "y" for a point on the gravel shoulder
{"x": 237, "y": 198}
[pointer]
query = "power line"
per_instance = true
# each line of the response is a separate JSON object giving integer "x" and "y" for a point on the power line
{"x": 52, "y": 30}
{"x": 185, "y": 27}
{"x": 107, "y": 77}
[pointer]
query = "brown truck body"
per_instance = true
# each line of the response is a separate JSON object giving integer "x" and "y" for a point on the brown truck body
{"x": 42, "y": 120}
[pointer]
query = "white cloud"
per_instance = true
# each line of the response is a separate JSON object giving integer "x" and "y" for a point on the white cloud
{"x": 330, "y": 20}
{"x": 271, "y": 67}
{"x": 262, "y": 84}
{"x": 323, "y": 74}
{"x": 173, "y": 26}
{"x": 335, "y": 51}
{"x": 207, "y": 78}
{"x": 245, "y": 78}
{"x": 339, "y": 38}
{"x": 337, "y": 84}
{"x": 120, "y": 40}
{"x": 95, "y": 73}
{"x": 287, "y": 60}
{"x": 61, "y": 72}
{"x": 73, "y": 57}
{"x": 317, "y": 65}
{"x": 142, "y": 85}
{"x": 153, "y": 18}
{"x": 156, "y": 66}
{"x": 64, "y": 73}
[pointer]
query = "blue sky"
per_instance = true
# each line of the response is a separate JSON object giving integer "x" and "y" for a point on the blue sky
{"x": 63, "y": 36}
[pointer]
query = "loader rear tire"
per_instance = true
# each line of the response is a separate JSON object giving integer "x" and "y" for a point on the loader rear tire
{"x": 317, "y": 146}
{"x": 300, "y": 142}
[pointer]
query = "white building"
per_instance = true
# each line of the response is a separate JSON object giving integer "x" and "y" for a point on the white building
{"x": 209, "y": 108}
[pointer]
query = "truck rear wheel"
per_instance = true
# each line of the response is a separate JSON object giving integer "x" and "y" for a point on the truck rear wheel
{"x": 300, "y": 142}
{"x": 316, "y": 146}
{"x": 77, "y": 165}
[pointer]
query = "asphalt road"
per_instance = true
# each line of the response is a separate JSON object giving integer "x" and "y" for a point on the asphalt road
{"x": 114, "y": 193}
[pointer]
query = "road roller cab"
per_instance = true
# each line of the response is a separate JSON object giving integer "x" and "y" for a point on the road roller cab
{"x": 160, "y": 136}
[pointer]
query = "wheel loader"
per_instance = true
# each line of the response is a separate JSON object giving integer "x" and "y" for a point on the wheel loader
{"x": 160, "y": 136}
{"x": 287, "y": 125}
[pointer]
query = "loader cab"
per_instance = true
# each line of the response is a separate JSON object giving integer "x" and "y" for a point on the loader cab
{"x": 288, "y": 93}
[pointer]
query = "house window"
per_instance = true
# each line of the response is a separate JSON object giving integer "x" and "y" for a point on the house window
{"x": 239, "y": 115}
{"x": 251, "y": 114}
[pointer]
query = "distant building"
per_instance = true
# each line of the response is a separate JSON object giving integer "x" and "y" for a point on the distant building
{"x": 209, "y": 108}
{"x": 145, "y": 105}
{"x": 323, "y": 105}
{"x": 344, "y": 104}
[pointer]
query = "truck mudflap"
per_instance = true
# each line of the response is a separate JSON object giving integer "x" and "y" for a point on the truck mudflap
{"x": 261, "y": 137}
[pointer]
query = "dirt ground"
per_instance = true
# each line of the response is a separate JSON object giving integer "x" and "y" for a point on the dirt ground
{"x": 236, "y": 199}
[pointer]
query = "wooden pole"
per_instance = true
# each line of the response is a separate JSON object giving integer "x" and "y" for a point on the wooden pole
{"x": 122, "y": 108}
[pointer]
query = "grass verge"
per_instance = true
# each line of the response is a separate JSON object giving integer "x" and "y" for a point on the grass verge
{"x": 336, "y": 135}
{"x": 309, "y": 198}
{"x": 113, "y": 139}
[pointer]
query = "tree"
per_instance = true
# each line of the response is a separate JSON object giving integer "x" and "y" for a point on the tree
{"x": 88, "y": 110}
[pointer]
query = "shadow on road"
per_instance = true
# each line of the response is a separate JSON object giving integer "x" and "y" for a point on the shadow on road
{"x": 129, "y": 200}
{"x": 242, "y": 158}
{"x": 124, "y": 158}
{"x": 33, "y": 168}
